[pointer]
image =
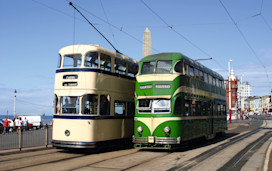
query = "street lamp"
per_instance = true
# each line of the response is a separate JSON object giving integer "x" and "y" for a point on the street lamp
{"x": 15, "y": 92}
{"x": 229, "y": 93}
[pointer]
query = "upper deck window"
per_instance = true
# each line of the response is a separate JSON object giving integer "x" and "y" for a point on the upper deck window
{"x": 105, "y": 62}
{"x": 73, "y": 60}
{"x": 59, "y": 61}
{"x": 91, "y": 60}
{"x": 161, "y": 67}
{"x": 132, "y": 69}
{"x": 164, "y": 67}
{"x": 179, "y": 67}
{"x": 148, "y": 67}
{"x": 120, "y": 66}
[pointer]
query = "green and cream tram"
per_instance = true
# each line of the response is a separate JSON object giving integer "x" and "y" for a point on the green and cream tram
{"x": 94, "y": 97}
{"x": 177, "y": 100}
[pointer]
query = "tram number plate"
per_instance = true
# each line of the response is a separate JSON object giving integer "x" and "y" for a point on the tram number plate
{"x": 151, "y": 139}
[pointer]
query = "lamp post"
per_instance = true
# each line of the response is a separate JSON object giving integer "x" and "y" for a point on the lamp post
{"x": 229, "y": 93}
{"x": 15, "y": 92}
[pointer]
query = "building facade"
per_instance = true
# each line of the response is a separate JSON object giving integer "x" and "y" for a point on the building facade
{"x": 233, "y": 92}
{"x": 244, "y": 92}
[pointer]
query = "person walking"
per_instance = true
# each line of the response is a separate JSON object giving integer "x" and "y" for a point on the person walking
{"x": 6, "y": 126}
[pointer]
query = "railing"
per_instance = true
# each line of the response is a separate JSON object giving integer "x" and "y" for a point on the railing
{"x": 26, "y": 139}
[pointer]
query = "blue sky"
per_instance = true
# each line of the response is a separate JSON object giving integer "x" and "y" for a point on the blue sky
{"x": 33, "y": 31}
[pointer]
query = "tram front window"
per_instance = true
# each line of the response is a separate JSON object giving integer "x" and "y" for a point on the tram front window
{"x": 70, "y": 104}
{"x": 89, "y": 104}
{"x": 73, "y": 60}
{"x": 148, "y": 67}
{"x": 163, "y": 67}
{"x": 160, "y": 68}
{"x": 154, "y": 106}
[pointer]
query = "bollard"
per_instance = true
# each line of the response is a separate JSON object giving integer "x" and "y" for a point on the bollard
{"x": 20, "y": 140}
{"x": 46, "y": 137}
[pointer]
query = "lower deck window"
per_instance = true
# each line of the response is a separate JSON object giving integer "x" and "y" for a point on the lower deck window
{"x": 89, "y": 104}
{"x": 154, "y": 106}
{"x": 119, "y": 108}
{"x": 70, "y": 104}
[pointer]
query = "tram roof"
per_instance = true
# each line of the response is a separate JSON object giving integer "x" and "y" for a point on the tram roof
{"x": 84, "y": 48}
{"x": 180, "y": 56}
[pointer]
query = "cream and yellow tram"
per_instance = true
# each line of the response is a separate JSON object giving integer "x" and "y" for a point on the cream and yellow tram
{"x": 94, "y": 97}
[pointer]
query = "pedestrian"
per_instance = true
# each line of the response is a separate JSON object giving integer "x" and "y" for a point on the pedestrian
{"x": 16, "y": 123}
{"x": 6, "y": 126}
{"x": 19, "y": 125}
{"x": 25, "y": 124}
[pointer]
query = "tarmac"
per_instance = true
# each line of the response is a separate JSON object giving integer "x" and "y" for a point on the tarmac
{"x": 259, "y": 161}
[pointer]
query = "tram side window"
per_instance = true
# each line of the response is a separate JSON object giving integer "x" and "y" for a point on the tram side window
{"x": 105, "y": 62}
{"x": 119, "y": 108}
{"x": 91, "y": 60}
{"x": 120, "y": 66}
{"x": 89, "y": 104}
{"x": 186, "y": 69}
{"x": 218, "y": 109}
{"x": 73, "y": 60}
{"x": 206, "y": 78}
{"x": 177, "y": 108}
{"x": 148, "y": 67}
{"x": 104, "y": 105}
{"x": 132, "y": 69}
{"x": 164, "y": 67}
{"x": 187, "y": 107}
{"x": 210, "y": 79}
{"x": 191, "y": 71}
{"x": 131, "y": 108}
{"x": 179, "y": 67}
{"x": 70, "y": 104}
{"x": 223, "y": 109}
{"x": 57, "y": 105}
{"x": 59, "y": 61}
{"x": 196, "y": 73}
{"x": 201, "y": 75}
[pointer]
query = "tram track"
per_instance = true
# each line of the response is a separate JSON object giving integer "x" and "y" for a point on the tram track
{"x": 191, "y": 157}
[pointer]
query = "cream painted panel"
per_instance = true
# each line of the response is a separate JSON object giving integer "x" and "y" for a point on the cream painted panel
{"x": 156, "y": 77}
{"x": 92, "y": 130}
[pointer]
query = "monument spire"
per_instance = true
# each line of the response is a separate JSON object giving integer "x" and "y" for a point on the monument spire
{"x": 147, "y": 43}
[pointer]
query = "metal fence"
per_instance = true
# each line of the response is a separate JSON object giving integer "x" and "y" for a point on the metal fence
{"x": 25, "y": 139}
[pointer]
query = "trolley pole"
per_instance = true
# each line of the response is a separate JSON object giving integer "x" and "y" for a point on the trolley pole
{"x": 15, "y": 103}
{"x": 229, "y": 93}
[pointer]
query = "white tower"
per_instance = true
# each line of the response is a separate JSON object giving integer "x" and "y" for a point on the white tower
{"x": 147, "y": 43}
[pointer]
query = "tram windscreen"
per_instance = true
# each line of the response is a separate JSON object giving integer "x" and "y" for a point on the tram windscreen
{"x": 73, "y": 60}
{"x": 162, "y": 66}
{"x": 148, "y": 67}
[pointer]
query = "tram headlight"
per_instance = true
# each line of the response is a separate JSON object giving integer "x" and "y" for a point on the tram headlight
{"x": 140, "y": 129}
{"x": 166, "y": 129}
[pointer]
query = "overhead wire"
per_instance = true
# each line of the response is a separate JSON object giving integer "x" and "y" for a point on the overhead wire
{"x": 115, "y": 27}
{"x": 182, "y": 36}
{"x": 108, "y": 21}
{"x": 247, "y": 42}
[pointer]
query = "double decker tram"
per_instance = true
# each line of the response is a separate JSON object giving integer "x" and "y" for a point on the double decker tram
{"x": 94, "y": 97}
{"x": 177, "y": 100}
